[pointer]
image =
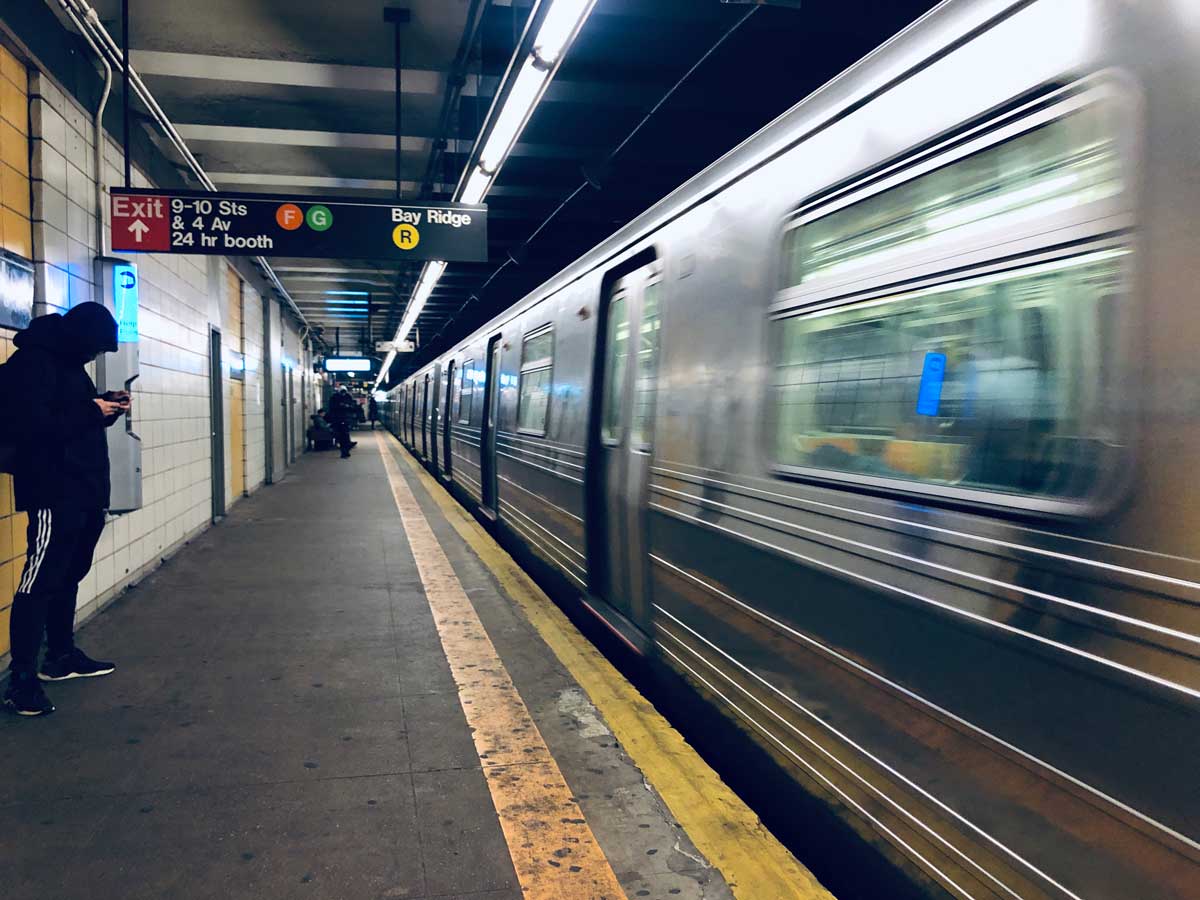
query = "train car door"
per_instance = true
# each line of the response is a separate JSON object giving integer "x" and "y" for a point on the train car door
{"x": 435, "y": 416}
{"x": 491, "y": 408}
{"x": 447, "y": 469}
{"x": 622, "y": 443}
{"x": 425, "y": 417}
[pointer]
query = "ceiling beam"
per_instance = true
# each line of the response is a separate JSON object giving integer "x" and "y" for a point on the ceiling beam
{"x": 381, "y": 79}
{"x": 271, "y": 179}
{"x": 241, "y": 134}
{"x": 250, "y": 180}
{"x": 285, "y": 72}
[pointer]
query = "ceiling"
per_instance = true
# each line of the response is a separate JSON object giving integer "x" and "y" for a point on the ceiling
{"x": 298, "y": 97}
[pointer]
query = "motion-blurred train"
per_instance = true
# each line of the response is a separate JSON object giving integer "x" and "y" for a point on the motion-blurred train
{"x": 884, "y": 431}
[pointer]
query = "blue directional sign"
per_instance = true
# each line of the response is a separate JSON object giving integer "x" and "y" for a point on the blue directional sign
{"x": 125, "y": 301}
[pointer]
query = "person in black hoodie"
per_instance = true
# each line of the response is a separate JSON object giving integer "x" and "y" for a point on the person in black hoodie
{"x": 61, "y": 480}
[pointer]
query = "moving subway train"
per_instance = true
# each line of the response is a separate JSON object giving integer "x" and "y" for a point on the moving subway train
{"x": 882, "y": 431}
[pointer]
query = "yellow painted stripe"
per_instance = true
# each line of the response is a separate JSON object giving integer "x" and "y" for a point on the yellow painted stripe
{"x": 553, "y": 850}
{"x": 755, "y": 865}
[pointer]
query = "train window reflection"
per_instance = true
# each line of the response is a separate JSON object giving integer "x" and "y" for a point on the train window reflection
{"x": 645, "y": 387}
{"x": 537, "y": 376}
{"x": 992, "y": 382}
{"x": 1059, "y": 167}
{"x": 617, "y": 350}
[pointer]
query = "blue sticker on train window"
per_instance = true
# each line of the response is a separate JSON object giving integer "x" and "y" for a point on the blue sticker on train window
{"x": 933, "y": 374}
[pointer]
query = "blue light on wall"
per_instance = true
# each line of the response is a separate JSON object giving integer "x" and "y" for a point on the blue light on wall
{"x": 125, "y": 301}
{"x": 933, "y": 374}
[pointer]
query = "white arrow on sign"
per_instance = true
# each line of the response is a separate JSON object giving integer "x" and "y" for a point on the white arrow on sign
{"x": 139, "y": 229}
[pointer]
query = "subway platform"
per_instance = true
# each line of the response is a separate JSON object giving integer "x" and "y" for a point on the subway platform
{"x": 344, "y": 690}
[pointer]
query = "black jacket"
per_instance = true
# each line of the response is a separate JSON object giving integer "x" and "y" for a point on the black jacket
{"x": 343, "y": 409}
{"x": 62, "y": 453}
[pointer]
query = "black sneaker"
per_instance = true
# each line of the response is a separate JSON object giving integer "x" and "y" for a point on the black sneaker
{"x": 25, "y": 696}
{"x": 75, "y": 664}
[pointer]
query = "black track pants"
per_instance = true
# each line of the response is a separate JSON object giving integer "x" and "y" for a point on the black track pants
{"x": 341, "y": 434}
{"x": 60, "y": 547}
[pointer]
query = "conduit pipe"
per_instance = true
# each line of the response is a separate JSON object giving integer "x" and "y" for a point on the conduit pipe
{"x": 93, "y": 31}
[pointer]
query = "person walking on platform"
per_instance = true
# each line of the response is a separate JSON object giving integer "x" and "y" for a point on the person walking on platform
{"x": 374, "y": 411}
{"x": 61, "y": 478}
{"x": 343, "y": 413}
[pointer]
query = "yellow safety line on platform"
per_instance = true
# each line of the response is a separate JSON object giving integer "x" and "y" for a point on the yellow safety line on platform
{"x": 553, "y": 850}
{"x": 753, "y": 862}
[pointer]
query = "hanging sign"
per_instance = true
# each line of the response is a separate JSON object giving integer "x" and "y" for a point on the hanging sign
{"x": 225, "y": 224}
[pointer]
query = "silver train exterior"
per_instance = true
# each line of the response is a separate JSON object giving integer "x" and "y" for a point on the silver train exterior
{"x": 883, "y": 431}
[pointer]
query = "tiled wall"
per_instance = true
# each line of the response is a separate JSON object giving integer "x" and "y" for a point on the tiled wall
{"x": 178, "y": 301}
{"x": 12, "y": 531}
{"x": 255, "y": 393}
{"x": 14, "y": 156}
{"x": 16, "y": 237}
{"x": 234, "y": 394}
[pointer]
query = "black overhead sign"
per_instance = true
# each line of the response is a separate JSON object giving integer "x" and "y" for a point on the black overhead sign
{"x": 154, "y": 221}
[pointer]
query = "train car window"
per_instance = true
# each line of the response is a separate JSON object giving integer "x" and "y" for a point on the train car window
{"x": 617, "y": 349}
{"x": 1062, "y": 165}
{"x": 466, "y": 390}
{"x": 536, "y": 381}
{"x": 645, "y": 385}
{"x": 986, "y": 382}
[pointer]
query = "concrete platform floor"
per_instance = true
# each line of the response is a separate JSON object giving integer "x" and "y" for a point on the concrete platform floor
{"x": 284, "y": 723}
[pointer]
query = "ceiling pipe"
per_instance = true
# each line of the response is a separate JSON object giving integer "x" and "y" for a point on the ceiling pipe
{"x": 97, "y": 132}
{"x": 93, "y": 31}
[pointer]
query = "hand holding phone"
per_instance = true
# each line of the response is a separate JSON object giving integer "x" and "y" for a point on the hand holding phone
{"x": 121, "y": 398}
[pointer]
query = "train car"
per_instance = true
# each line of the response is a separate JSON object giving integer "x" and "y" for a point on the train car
{"x": 881, "y": 432}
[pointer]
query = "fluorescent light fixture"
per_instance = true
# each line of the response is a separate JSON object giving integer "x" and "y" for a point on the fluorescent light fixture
{"x": 559, "y": 27}
{"x": 475, "y": 188}
{"x": 517, "y": 105}
{"x": 348, "y": 293}
{"x": 387, "y": 364}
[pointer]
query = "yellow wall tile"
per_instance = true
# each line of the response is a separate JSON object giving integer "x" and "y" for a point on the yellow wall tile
{"x": 19, "y": 522}
{"x": 7, "y": 551}
{"x": 10, "y": 575}
{"x": 12, "y": 69}
{"x": 14, "y": 106}
{"x": 14, "y": 148}
{"x": 17, "y": 236}
{"x": 4, "y": 616}
{"x": 14, "y": 190}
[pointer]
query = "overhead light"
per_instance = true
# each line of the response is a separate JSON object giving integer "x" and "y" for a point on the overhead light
{"x": 517, "y": 106}
{"x": 429, "y": 279}
{"x": 348, "y": 293}
{"x": 387, "y": 364}
{"x": 558, "y": 29}
{"x": 559, "y": 26}
{"x": 477, "y": 185}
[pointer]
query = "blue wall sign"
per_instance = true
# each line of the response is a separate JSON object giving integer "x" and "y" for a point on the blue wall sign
{"x": 933, "y": 374}
{"x": 125, "y": 301}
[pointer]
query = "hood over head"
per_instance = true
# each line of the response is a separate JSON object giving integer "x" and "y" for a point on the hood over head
{"x": 87, "y": 329}
{"x": 91, "y": 329}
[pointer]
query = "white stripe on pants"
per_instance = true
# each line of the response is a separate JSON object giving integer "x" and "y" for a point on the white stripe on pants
{"x": 37, "y": 553}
